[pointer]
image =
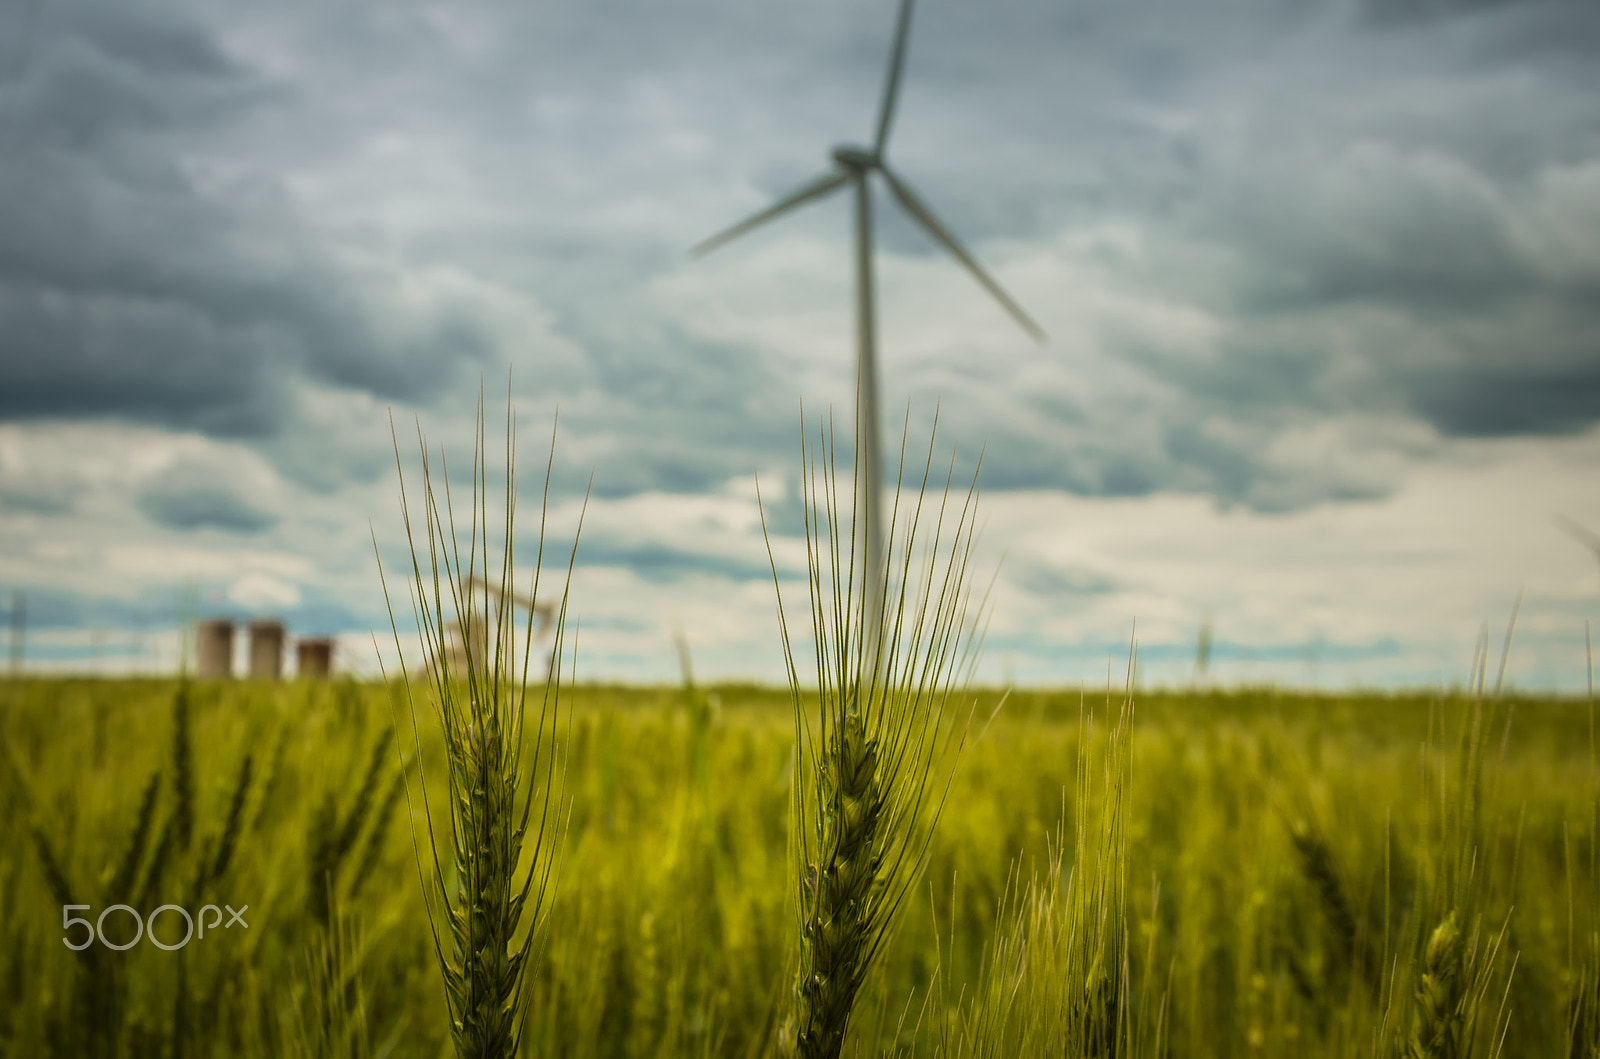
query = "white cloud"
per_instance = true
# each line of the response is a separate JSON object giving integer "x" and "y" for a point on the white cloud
{"x": 263, "y": 592}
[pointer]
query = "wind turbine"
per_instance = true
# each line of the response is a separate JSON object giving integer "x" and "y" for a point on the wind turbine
{"x": 853, "y": 165}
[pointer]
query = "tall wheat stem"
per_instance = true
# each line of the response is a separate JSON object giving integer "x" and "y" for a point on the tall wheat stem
{"x": 871, "y": 756}
{"x": 505, "y": 819}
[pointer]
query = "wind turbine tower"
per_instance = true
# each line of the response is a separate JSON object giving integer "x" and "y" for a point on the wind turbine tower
{"x": 853, "y": 165}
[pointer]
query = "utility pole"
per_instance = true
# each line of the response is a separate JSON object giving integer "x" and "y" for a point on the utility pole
{"x": 19, "y": 623}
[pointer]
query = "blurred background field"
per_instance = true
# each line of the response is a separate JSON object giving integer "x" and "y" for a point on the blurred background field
{"x": 1285, "y": 857}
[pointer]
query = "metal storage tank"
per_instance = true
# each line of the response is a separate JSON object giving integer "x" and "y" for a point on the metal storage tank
{"x": 313, "y": 657}
{"x": 213, "y": 648}
{"x": 266, "y": 649}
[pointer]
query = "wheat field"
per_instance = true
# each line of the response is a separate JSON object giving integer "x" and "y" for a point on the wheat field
{"x": 1191, "y": 874}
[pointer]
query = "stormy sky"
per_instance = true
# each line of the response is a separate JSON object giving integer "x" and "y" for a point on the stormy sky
{"x": 1321, "y": 282}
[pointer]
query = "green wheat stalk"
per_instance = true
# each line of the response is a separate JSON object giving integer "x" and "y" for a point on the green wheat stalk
{"x": 870, "y": 755}
{"x": 1437, "y": 1020}
{"x": 501, "y": 847}
{"x": 1057, "y": 977}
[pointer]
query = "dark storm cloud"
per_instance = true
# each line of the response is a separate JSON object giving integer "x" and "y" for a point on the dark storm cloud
{"x": 200, "y": 214}
{"x": 1409, "y": 13}
{"x": 1393, "y": 231}
{"x": 1128, "y": 445}
{"x": 680, "y": 414}
{"x": 203, "y": 507}
{"x": 134, "y": 284}
{"x": 190, "y": 494}
{"x": 1494, "y": 403}
{"x": 663, "y": 565}
{"x": 1056, "y": 581}
{"x": 1423, "y": 232}
{"x": 35, "y": 498}
{"x": 665, "y": 370}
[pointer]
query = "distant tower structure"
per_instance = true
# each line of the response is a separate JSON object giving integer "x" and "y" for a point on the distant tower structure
{"x": 19, "y": 625}
{"x": 213, "y": 648}
{"x": 266, "y": 649}
{"x": 313, "y": 657}
{"x": 471, "y": 634}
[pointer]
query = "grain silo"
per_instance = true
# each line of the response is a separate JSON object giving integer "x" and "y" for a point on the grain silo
{"x": 313, "y": 657}
{"x": 213, "y": 648}
{"x": 266, "y": 649}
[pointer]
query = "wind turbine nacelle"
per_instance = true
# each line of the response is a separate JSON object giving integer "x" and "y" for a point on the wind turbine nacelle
{"x": 856, "y": 158}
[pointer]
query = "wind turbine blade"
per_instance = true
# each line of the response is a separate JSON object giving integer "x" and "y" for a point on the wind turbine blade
{"x": 1583, "y": 536}
{"x": 814, "y": 190}
{"x": 920, "y": 212}
{"x": 891, "y": 90}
